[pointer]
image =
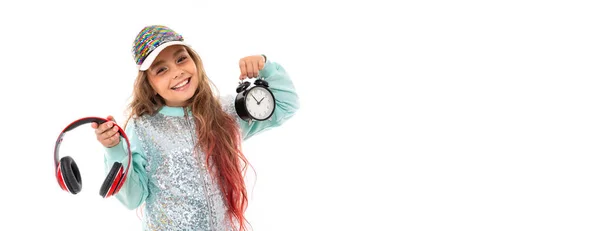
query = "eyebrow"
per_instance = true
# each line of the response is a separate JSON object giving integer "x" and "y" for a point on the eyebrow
{"x": 162, "y": 61}
{"x": 156, "y": 64}
{"x": 179, "y": 51}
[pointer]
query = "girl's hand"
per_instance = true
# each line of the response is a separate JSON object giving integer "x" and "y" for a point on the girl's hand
{"x": 107, "y": 133}
{"x": 250, "y": 65}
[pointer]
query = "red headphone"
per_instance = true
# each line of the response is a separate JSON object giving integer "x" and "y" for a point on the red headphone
{"x": 67, "y": 172}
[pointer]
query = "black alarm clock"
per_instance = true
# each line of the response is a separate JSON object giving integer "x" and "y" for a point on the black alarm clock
{"x": 256, "y": 103}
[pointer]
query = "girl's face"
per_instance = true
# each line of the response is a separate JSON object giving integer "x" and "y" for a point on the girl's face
{"x": 173, "y": 75}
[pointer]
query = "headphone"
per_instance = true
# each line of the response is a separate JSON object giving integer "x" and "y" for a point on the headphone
{"x": 67, "y": 172}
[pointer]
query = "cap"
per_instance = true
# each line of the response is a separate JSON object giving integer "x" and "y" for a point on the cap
{"x": 150, "y": 41}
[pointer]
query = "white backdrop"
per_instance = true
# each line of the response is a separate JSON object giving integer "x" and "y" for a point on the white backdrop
{"x": 419, "y": 116}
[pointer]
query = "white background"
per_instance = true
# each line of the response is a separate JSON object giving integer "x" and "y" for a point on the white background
{"x": 436, "y": 115}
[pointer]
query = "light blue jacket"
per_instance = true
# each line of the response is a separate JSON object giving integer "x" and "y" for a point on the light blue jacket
{"x": 135, "y": 190}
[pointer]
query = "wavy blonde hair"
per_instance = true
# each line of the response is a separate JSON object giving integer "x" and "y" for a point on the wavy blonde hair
{"x": 218, "y": 135}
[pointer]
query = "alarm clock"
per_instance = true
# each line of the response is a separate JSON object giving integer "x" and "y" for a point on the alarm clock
{"x": 255, "y": 103}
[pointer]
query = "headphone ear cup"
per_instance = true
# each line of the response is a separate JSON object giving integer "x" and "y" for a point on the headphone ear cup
{"x": 112, "y": 179}
{"x": 71, "y": 174}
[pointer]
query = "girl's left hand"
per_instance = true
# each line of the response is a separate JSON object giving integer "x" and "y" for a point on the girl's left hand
{"x": 250, "y": 65}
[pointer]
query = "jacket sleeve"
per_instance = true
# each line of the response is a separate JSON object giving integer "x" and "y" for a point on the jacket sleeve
{"x": 135, "y": 190}
{"x": 286, "y": 101}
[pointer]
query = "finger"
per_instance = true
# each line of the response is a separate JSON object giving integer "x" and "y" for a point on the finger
{"x": 109, "y": 125}
{"x": 110, "y": 133}
{"x": 250, "y": 69}
{"x": 111, "y": 118}
{"x": 105, "y": 126}
{"x": 261, "y": 64}
{"x": 94, "y": 125}
{"x": 114, "y": 139}
{"x": 243, "y": 71}
{"x": 105, "y": 138}
{"x": 99, "y": 129}
{"x": 255, "y": 68}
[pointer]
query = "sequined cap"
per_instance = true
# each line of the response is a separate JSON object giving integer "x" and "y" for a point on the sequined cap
{"x": 150, "y": 41}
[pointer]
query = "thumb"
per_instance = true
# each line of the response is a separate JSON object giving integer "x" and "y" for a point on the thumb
{"x": 111, "y": 118}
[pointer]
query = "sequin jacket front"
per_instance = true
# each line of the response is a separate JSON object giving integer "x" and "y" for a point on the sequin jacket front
{"x": 170, "y": 178}
{"x": 182, "y": 193}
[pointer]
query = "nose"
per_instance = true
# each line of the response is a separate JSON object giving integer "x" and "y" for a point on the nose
{"x": 180, "y": 73}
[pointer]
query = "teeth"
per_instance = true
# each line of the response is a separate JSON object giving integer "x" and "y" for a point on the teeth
{"x": 182, "y": 84}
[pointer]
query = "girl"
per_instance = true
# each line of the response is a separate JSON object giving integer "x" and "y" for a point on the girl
{"x": 187, "y": 165}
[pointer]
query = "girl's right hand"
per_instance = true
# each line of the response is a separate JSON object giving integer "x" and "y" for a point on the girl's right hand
{"x": 107, "y": 133}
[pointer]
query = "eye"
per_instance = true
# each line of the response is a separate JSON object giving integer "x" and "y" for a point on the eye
{"x": 181, "y": 59}
{"x": 160, "y": 70}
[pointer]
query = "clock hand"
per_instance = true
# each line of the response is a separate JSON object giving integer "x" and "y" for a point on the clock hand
{"x": 254, "y": 98}
{"x": 261, "y": 100}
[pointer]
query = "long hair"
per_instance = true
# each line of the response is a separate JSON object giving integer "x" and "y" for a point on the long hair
{"x": 218, "y": 136}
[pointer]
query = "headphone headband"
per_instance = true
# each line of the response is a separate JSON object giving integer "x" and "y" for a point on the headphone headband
{"x": 78, "y": 123}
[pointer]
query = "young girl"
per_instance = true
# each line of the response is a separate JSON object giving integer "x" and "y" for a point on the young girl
{"x": 187, "y": 164}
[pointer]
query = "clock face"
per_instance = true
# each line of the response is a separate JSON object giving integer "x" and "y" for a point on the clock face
{"x": 260, "y": 103}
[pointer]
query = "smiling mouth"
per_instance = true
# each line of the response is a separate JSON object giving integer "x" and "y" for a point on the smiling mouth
{"x": 181, "y": 84}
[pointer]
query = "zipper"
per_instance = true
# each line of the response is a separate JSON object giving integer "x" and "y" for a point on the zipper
{"x": 205, "y": 178}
